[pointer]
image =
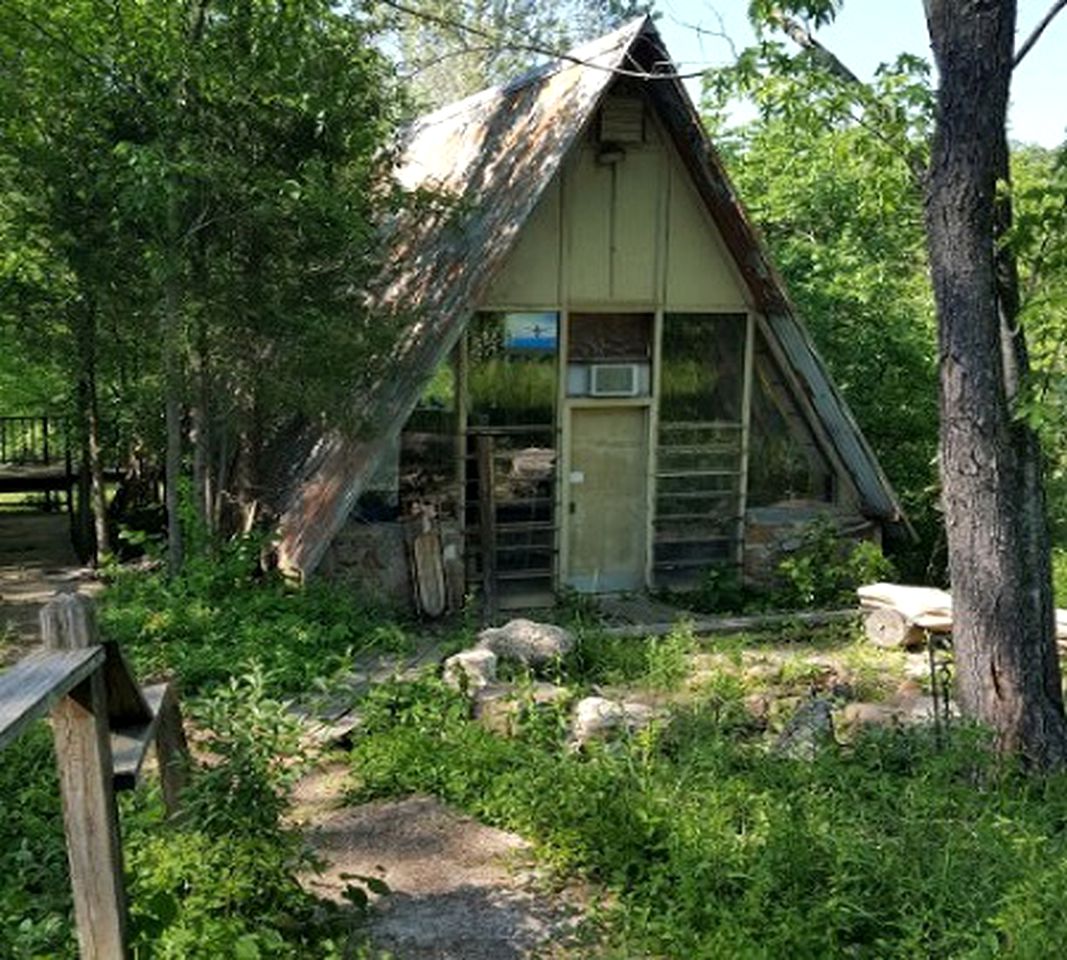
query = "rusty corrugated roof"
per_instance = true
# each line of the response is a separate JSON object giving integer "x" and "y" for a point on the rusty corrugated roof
{"x": 487, "y": 160}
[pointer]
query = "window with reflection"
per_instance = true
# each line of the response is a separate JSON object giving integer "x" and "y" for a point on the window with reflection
{"x": 785, "y": 461}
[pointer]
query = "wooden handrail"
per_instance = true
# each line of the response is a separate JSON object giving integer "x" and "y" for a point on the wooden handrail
{"x": 30, "y": 688}
{"x": 103, "y": 723}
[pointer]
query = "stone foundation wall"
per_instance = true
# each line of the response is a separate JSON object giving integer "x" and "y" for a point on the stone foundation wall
{"x": 772, "y": 533}
{"x": 374, "y": 558}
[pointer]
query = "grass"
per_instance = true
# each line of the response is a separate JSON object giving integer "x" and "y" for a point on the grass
{"x": 705, "y": 844}
{"x": 710, "y": 847}
{"x": 219, "y": 882}
{"x": 221, "y": 618}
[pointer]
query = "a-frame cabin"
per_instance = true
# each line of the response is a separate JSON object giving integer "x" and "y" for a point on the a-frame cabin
{"x": 599, "y": 381}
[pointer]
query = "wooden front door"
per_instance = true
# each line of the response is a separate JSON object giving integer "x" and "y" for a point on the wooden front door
{"x": 607, "y": 494}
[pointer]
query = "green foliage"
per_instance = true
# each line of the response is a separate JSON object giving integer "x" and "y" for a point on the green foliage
{"x": 722, "y": 590}
{"x": 1059, "y": 576}
{"x": 603, "y": 658}
{"x": 825, "y": 571}
{"x": 828, "y": 171}
{"x": 219, "y": 164}
{"x": 34, "y": 893}
{"x": 1039, "y": 240}
{"x": 600, "y": 658}
{"x": 668, "y": 657}
{"x": 710, "y": 848}
{"x": 222, "y": 616}
{"x": 256, "y": 743}
{"x": 220, "y": 880}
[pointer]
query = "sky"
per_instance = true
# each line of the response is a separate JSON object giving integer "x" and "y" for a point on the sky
{"x": 869, "y": 32}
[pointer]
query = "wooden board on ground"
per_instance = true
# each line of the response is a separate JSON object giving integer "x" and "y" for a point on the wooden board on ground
{"x": 428, "y": 573}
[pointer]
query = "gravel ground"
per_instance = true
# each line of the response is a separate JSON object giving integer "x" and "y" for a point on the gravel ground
{"x": 459, "y": 890}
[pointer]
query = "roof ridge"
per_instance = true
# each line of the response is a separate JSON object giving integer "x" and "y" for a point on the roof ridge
{"x": 621, "y": 38}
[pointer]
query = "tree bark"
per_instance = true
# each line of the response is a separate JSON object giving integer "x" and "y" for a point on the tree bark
{"x": 85, "y": 325}
{"x": 200, "y": 411}
{"x": 171, "y": 345}
{"x": 1007, "y": 671}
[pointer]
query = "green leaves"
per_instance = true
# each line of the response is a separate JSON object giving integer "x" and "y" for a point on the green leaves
{"x": 768, "y": 13}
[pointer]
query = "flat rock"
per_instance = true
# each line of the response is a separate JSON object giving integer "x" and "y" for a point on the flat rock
{"x": 470, "y": 670}
{"x": 528, "y": 642}
{"x": 597, "y": 718}
{"x": 809, "y": 730}
{"x": 498, "y": 706}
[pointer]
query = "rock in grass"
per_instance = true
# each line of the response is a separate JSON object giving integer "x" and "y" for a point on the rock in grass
{"x": 528, "y": 642}
{"x": 499, "y": 706}
{"x": 470, "y": 670}
{"x": 597, "y": 718}
{"x": 808, "y": 731}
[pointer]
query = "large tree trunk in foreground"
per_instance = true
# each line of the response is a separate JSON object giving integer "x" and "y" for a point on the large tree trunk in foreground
{"x": 1007, "y": 670}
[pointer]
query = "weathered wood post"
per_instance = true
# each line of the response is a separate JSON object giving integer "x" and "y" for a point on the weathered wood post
{"x": 172, "y": 750}
{"x": 487, "y": 523}
{"x": 90, "y": 817}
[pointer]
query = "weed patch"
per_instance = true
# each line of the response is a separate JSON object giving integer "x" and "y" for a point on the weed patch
{"x": 713, "y": 848}
{"x": 221, "y": 617}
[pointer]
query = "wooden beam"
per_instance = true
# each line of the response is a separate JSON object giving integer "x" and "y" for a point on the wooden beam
{"x": 746, "y": 436}
{"x": 126, "y": 701}
{"x": 714, "y": 625}
{"x": 172, "y": 749}
{"x": 487, "y": 523}
{"x": 129, "y": 746}
{"x": 130, "y": 742}
{"x": 90, "y": 817}
{"x": 30, "y": 688}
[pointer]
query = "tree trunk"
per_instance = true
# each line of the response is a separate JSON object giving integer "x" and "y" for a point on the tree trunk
{"x": 200, "y": 412}
{"x": 171, "y": 345}
{"x": 85, "y": 324}
{"x": 1007, "y": 671}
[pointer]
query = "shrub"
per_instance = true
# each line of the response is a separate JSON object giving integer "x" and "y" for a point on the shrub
{"x": 668, "y": 657}
{"x": 255, "y": 757}
{"x": 825, "y": 570}
{"x": 222, "y": 617}
{"x": 34, "y": 892}
{"x": 221, "y": 879}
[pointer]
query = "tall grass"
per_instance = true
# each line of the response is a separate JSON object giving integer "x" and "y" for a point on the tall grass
{"x": 711, "y": 847}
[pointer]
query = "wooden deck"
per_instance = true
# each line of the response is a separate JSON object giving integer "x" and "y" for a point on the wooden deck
{"x": 36, "y": 478}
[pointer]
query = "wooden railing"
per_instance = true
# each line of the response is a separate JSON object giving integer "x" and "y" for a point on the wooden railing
{"x": 33, "y": 441}
{"x": 103, "y": 723}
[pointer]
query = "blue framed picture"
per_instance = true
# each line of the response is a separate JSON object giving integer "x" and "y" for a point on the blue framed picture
{"x": 531, "y": 332}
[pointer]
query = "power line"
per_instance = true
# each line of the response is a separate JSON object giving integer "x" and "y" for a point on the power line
{"x": 500, "y": 42}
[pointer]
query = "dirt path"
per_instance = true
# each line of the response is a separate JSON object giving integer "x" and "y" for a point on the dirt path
{"x": 36, "y": 561}
{"x": 459, "y": 890}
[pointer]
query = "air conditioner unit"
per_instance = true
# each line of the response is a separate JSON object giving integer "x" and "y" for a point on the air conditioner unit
{"x": 614, "y": 380}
